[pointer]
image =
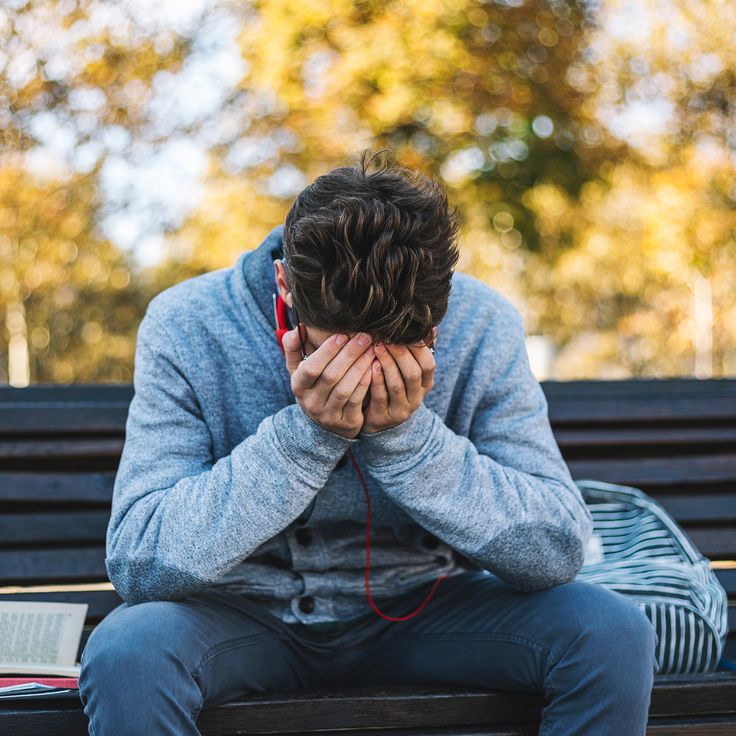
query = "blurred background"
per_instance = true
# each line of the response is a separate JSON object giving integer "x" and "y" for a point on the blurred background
{"x": 590, "y": 148}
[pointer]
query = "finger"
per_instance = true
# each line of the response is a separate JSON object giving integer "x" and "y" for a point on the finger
{"x": 334, "y": 371}
{"x": 411, "y": 372}
{"x": 395, "y": 386}
{"x": 379, "y": 394}
{"x": 310, "y": 370}
{"x": 354, "y": 404}
{"x": 293, "y": 348}
{"x": 375, "y": 405}
{"x": 343, "y": 390}
{"x": 423, "y": 355}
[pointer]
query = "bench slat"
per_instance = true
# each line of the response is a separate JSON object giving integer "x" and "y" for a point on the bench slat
{"x": 97, "y": 406}
{"x": 53, "y": 565}
{"x": 60, "y": 487}
{"x": 699, "y": 507}
{"x": 655, "y": 472}
{"x": 727, "y": 578}
{"x": 56, "y": 453}
{"x": 714, "y": 543}
{"x": 608, "y": 440}
{"x": 58, "y": 527}
{"x": 65, "y": 487}
{"x": 707, "y": 694}
{"x": 33, "y": 419}
{"x": 640, "y": 388}
{"x": 645, "y": 411}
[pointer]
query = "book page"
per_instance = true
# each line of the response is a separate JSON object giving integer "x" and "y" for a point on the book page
{"x": 40, "y": 637}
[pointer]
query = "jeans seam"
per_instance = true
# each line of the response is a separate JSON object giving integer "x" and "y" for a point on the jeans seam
{"x": 90, "y": 727}
{"x": 193, "y": 715}
{"x": 544, "y": 727}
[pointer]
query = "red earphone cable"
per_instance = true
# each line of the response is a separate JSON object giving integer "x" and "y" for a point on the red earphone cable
{"x": 368, "y": 555}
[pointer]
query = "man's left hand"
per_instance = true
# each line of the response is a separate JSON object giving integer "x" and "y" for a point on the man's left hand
{"x": 402, "y": 376}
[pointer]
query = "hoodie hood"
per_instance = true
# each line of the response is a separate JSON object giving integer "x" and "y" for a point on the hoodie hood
{"x": 256, "y": 267}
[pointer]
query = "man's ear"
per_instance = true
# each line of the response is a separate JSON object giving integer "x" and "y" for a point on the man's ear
{"x": 280, "y": 275}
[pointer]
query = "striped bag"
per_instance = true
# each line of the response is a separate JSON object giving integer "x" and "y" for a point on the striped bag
{"x": 639, "y": 550}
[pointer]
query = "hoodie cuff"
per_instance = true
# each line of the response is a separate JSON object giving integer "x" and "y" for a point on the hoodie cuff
{"x": 389, "y": 446}
{"x": 305, "y": 442}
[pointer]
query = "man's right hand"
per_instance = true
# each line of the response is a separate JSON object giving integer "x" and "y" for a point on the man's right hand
{"x": 332, "y": 382}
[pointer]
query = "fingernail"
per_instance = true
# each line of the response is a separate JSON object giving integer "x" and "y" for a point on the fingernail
{"x": 341, "y": 339}
{"x": 364, "y": 339}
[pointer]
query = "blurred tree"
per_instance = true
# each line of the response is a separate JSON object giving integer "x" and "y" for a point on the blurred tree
{"x": 474, "y": 93}
{"x": 646, "y": 288}
{"x": 617, "y": 242}
{"x": 74, "y": 83}
{"x": 69, "y": 305}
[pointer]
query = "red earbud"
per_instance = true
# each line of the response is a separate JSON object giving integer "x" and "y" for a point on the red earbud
{"x": 280, "y": 306}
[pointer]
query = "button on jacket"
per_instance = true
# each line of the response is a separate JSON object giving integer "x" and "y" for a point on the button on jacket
{"x": 225, "y": 482}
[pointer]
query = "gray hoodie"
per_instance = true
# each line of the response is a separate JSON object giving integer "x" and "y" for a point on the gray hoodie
{"x": 226, "y": 483}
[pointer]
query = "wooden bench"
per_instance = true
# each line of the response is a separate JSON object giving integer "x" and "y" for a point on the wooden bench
{"x": 674, "y": 438}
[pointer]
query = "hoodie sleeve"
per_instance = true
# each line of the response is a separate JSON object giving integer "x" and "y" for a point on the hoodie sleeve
{"x": 503, "y": 497}
{"x": 182, "y": 518}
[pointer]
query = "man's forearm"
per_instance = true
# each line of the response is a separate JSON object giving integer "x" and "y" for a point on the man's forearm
{"x": 528, "y": 526}
{"x": 173, "y": 531}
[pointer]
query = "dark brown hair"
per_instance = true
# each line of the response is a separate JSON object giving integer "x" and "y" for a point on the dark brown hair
{"x": 371, "y": 251}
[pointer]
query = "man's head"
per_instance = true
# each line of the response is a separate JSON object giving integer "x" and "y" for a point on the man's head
{"x": 369, "y": 251}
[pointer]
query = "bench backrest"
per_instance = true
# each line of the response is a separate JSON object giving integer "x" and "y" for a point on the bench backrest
{"x": 60, "y": 446}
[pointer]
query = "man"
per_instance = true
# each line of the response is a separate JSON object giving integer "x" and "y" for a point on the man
{"x": 237, "y": 538}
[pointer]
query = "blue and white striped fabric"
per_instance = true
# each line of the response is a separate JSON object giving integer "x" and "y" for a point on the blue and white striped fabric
{"x": 638, "y": 549}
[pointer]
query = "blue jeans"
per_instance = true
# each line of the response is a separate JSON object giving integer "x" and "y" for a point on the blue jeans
{"x": 151, "y": 667}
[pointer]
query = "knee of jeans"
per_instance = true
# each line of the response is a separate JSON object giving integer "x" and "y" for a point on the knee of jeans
{"x": 604, "y": 616}
{"x": 616, "y": 623}
{"x": 627, "y": 625}
{"x": 136, "y": 637}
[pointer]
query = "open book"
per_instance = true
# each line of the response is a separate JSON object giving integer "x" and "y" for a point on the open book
{"x": 40, "y": 638}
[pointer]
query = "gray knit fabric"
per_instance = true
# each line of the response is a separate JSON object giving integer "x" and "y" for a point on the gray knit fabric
{"x": 221, "y": 467}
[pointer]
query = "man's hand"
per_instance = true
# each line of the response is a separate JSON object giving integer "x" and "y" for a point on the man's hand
{"x": 400, "y": 381}
{"x": 331, "y": 384}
